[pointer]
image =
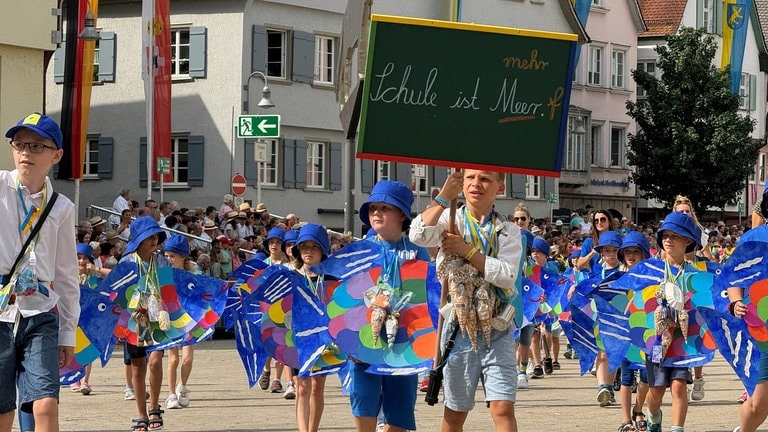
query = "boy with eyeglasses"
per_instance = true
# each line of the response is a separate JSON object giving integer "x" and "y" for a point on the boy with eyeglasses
{"x": 36, "y": 339}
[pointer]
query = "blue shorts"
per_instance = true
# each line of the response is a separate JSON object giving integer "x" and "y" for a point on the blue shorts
{"x": 394, "y": 395}
{"x": 762, "y": 369}
{"x": 628, "y": 374}
{"x": 526, "y": 334}
{"x": 465, "y": 366}
{"x": 34, "y": 356}
{"x": 662, "y": 376}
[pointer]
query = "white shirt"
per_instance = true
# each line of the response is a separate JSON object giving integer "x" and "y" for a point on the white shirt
{"x": 118, "y": 206}
{"x": 501, "y": 271}
{"x": 55, "y": 251}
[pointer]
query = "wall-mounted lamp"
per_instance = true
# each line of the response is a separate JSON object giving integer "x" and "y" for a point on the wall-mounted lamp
{"x": 89, "y": 32}
{"x": 266, "y": 94}
{"x": 579, "y": 129}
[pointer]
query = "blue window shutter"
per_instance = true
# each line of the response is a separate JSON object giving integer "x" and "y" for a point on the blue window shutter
{"x": 58, "y": 63}
{"x": 107, "y": 57}
{"x": 303, "y": 57}
{"x": 439, "y": 174}
{"x": 336, "y": 166}
{"x": 196, "y": 149}
{"x": 289, "y": 164}
{"x": 259, "y": 49}
{"x": 143, "y": 162}
{"x": 752, "y": 92}
{"x": 301, "y": 164}
{"x": 197, "y": 51}
{"x": 251, "y": 167}
{"x": 518, "y": 186}
{"x": 106, "y": 152}
{"x": 366, "y": 175}
{"x": 403, "y": 173}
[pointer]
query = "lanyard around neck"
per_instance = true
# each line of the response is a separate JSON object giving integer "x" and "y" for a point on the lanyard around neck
{"x": 483, "y": 235}
{"x": 31, "y": 215}
{"x": 669, "y": 277}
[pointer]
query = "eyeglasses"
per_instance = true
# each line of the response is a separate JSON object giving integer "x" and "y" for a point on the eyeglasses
{"x": 601, "y": 220}
{"x": 521, "y": 219}
{"x": 32, "y": 147}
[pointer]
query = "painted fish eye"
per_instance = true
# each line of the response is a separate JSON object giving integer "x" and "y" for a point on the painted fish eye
{"x": 718, "y": 271}
{"x": 102, "y": 307}
{"x": 526, "y": 287}
{"x": 724, "y": 294}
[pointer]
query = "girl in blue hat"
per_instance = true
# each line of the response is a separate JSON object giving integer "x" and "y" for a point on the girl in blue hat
{"x": 388, "y": 212}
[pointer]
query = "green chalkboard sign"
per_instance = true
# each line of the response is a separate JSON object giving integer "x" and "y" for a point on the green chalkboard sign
{"x": 464, "y": 95}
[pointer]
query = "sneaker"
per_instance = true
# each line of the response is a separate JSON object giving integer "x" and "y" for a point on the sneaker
{"x": 556, "y": 365}
{"x": 172, "y": 402}
{"x": 538, "y": 371}
{"x": 264, "y": 380}
{"x": 85, "y": 389}
{"x": 548, "y": 367}
{"x": 522, "y": 381}
{"x": 568, "y": 353}
{"x": 276, "y": 387}
{"x": 182, "y": 392}
{"x": 424, "y": 385}
{"x": 129, "y": 395}
{"x": 743, "y": 398}
{"x": 654, "y": 427}
{"x": 290, "y": 391}
{"x": 575, "y": 355}
{"x": 697, "y": 393}
{"x": 604, "y": 396}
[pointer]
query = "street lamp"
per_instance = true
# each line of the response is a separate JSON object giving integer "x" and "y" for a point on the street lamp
{"x": 579, "y": 129}
{"x": 266, "y": 103}
{"x": 89, "y": 32}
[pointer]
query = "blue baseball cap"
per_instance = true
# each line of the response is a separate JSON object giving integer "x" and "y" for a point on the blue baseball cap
{"x": 275, "y": 233}
{"x": 638, "y": 240}
{"x": 177, "y": 244}
{"x": 389, "y": 192}
{"x": 315, "y": 233}
{"x": 85, "y": 249}
{"x": 681, "y": 224}
{"x": 609, "y": 238}
{"x": 40, "y": 124}
{"x": 141, "y": 229}
{"x": 540, "y": 245}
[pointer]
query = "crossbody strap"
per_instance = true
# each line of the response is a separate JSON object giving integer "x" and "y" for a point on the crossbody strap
{"x": 32, "y": 235}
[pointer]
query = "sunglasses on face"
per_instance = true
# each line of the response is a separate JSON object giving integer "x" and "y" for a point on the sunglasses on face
{"x": 521, "y": 219}
{"x": 601, "y": 220}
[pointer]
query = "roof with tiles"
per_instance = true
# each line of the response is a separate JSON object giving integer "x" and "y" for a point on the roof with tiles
{"x": 762, "y": 12}
{"x": 662, "y": 17}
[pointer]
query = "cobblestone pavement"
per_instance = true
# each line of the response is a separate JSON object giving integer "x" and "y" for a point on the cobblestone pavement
{"x": 222, "y": 401}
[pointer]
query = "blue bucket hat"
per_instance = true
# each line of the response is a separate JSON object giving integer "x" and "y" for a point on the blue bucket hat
{"x": 85, "y": 249}
{"x": 682, "y": 225}
{"x": 529, "y": 237}
{"x": 141, "y": 229}
{"x": 540, "y": 244}
{"x": 638, "y": 240}
{"x": 40, "y": 124}
{"x": 315, "y": 233}
{"x": 275, "y": 233}
{"x": 390, "y": 192}
{"x": 609, "y": 238}
{"x": 289, "y": 237}
{"x": 177, "y": 244}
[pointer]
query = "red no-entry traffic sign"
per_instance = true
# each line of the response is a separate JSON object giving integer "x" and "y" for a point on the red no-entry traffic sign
{"x": 238, "y": 184}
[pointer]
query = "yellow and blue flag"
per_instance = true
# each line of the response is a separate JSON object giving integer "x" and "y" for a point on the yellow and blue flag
{"x": 736, "y": 20}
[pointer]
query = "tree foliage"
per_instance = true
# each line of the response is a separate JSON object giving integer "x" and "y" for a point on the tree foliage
{"x": 690, "y": 138}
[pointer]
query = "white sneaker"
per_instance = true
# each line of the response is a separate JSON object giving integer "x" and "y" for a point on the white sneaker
{"x": 697, "y": 393}
{"x": 129, "y": 395}
{"x": 182, "y": 393}
{"x": 522, "y": 381}
{"x": 290, "y": 391}
{"x": 172, "y": 402}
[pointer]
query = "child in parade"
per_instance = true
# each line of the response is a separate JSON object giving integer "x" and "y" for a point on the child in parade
{"x": 176, "y": 251}
{"x": 35, "y": 319}
{"x": 493, "y": 247}
{"x": 540, "y": 256}
{"x": 388, "y": 211}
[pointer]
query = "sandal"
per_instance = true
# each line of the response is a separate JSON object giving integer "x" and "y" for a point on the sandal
{"x": 157, "y": 422}
{"x": 140, "y": 424}
{"x": 641, "y": 424}
{"x": 627, "y": 426}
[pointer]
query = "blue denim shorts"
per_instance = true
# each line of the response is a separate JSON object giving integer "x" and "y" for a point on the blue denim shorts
{"x": 30, "y": 361}
{"x": 394, "y": 395}
{"x": 465, "y": 366}
{"x": 662, "y": 376}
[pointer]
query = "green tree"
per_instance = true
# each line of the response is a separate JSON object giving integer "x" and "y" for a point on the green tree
{"x": 690, "y": 138}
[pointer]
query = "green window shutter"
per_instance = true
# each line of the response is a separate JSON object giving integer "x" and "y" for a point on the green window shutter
{"x": 699, "y": 14}
{"x": 106, "y": 152}
{"x": 336, "y": 166}
{"x": 196, "y": 149}
{"x": 107, "y": 57}
{"x": 303, "y": 57}
{"x": 197, "y": 51}
{"x": 143, "y": 162}
{"x": 251, "y": 167}
{"x": 301, "y": 164}
{"x": 259, "y": 49}
{"x": 718, "y": 17}
{"x": 752, "y": 92}
{"x": 289, "y": 164}
{"x": 518, "y": 186}
{"x": 58, "y": 63}
{"x": 366, "y": 175}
